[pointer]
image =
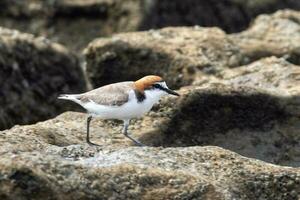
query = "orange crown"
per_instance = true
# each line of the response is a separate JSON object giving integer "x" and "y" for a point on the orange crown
{"x": 146, "y": 82}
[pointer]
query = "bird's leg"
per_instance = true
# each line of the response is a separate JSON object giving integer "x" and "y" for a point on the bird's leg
{"x": 125, "y": 132}
{"x": 88, "y": 121}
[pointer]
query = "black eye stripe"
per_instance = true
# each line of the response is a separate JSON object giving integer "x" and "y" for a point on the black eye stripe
{"x": 157, "y": 86}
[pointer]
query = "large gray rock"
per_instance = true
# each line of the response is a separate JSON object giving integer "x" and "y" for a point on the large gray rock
{"x": 244, "y": 109}
{"x": 50, "y": 160}
{"x": 73, "y": 23}
{"x": 65, "y": 21}
{"x": 230, "y": 15}
{"x": 252, "y": 110}
{"x": 272, "y": 35}
{"x": 178, "y": 54}
{"x": 33, "y": 73}
{"x": 182, "y": 55}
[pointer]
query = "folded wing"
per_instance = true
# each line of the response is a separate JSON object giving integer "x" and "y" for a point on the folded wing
{"x": 110, "y": 95}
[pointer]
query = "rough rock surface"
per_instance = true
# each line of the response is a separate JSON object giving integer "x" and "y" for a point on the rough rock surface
{"x": 272, "y": 35}
{"x": 230, "y": 15}
{"x": 185, "y": 54}
{"x": 65, "y": 21}
{"x": 178, "y": 54}
{"x": 49, "y": 160}
{"x": 33, "y": 72}
{"x": 252, "y": 110}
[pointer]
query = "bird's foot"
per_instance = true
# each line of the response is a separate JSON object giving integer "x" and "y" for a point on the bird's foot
{"x": 92, "y": 144}
{"x": 136, "y": 142}
{"x": 139, "y": 143}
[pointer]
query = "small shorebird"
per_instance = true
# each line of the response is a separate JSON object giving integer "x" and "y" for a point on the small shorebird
{"x": 123, "y": 101}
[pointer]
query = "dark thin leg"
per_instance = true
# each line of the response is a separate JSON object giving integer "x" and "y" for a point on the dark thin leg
{"x": 88, "y": 131}
{"x": 125, "y": 132}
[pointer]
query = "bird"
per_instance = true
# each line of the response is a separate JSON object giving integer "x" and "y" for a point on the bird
{"x": 122, "y": 101}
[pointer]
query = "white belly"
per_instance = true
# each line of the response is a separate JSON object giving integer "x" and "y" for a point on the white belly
{"x": 131, "y": 109}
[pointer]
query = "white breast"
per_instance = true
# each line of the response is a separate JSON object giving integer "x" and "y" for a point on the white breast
{"x": 131, "y": 109}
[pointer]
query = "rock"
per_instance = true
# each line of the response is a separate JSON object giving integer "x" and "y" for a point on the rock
{"x": 233, "y": 100}
{"x": 51, "y": 159}
{"x": 178, "y": 54}
{"x": 183, "y": 55}
{"x": 33, "y": 73}
{"x": 230, "y": 15}
{"x": 256, "y": 103}
{"x": 65, "y": 21}
{"x": 272, "y": 35}
{"x": 65, "y": 130}
{"x": 252, "y": 110}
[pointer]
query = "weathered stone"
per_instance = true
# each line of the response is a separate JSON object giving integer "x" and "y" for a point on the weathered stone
{"x": 65, "y": 21}
{"x": 48, "y": 161}
{"x": 182, "y": 55}
{"x": 73, "y": 23}
{"x": 230, "y": 15}
{"x": 252, "y": 110}
{"x": 178, "y": 54}
{"x": 272, "y": 35}
{"x": 33, "y": 72}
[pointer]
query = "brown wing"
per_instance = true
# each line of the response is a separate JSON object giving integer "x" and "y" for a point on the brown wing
{"x": 110, "y": 95}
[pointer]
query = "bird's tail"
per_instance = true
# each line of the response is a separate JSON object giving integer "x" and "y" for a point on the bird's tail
{"x": 70, "y": 97}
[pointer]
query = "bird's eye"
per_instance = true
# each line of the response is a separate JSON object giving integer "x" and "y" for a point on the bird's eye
{"x": 156, "y": 86}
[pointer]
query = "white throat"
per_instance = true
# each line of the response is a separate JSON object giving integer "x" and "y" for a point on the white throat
{"x": 153, "y": 96}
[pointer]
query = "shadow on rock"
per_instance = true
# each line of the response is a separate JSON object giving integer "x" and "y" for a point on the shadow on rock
{"x": 33, "y": 72}
{"x": 230, "y": 15}
{"x": 204, "y": 114}
{"x": 246, "y": 120}
{"x": 121, "y": 61}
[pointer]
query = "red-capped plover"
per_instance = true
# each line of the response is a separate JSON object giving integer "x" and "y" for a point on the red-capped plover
{"x": 123, "y": 101}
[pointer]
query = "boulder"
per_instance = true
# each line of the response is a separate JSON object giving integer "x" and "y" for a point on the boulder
{"x": 50, "y": 160}
{"x": 178, "y": 54}
{"x": 252, "y": 110}
{"x": 182, "y": 55}
{"x": 272, "y": 35}
{"x": 230, "y": 15}
{"x": 65, "y": 21}
{"x": 33, "y": 73}
{"x": 73, "y": 23}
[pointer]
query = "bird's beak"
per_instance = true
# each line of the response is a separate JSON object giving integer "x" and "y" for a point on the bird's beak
{"x": 171, "y": 92}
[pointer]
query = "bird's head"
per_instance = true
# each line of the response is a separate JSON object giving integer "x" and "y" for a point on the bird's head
{"x": 153, "y": 83}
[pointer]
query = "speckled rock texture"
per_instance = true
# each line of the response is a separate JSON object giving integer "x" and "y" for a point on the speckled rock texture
{"x": 236, "y": 95}
{"x": 73, "y": 23}
{"x": 241, "y": 99}
{"x": 252, "y": 110}
{"x": 33, "y": 72}
{"x": 272, "y": 35}
{"x": 50, "y": 160}
{"x": 178, "y": 54}
{"x": 65, "y": 21}
{"x": 230, "y": 15}
{"x": 184, "y": 54}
